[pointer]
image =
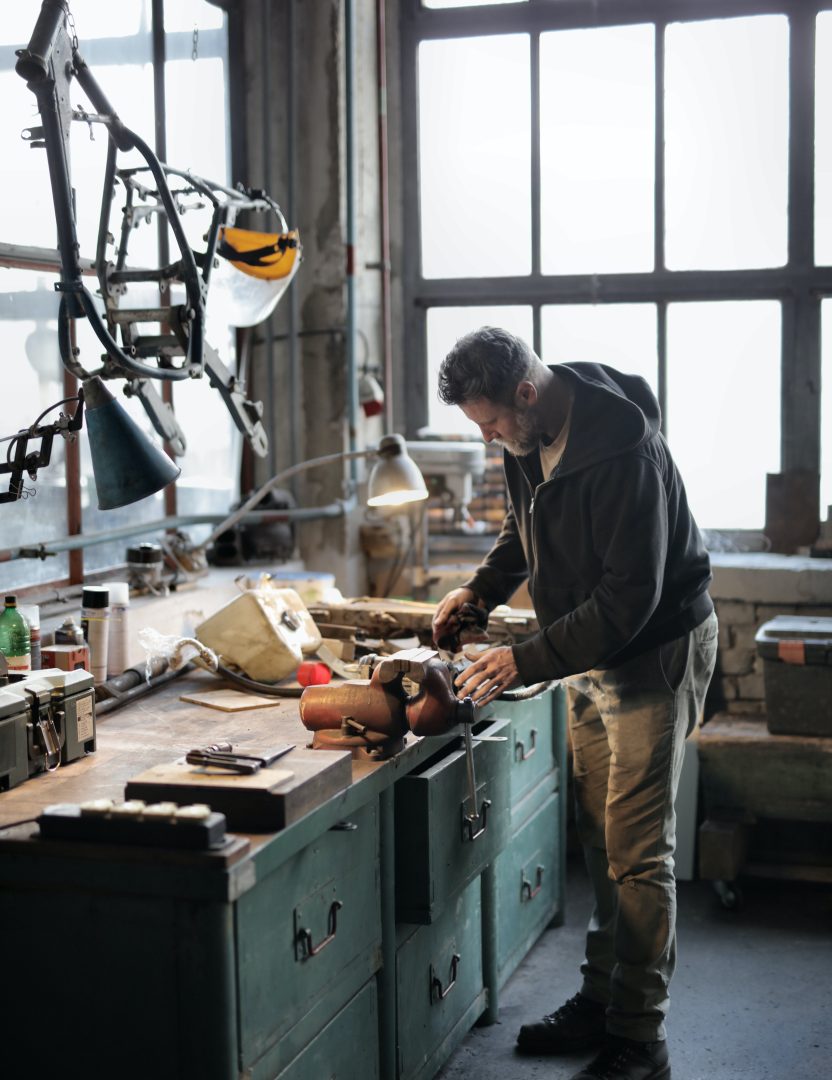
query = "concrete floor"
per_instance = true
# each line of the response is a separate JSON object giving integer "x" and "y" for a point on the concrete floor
{"x": 751, "y": 998}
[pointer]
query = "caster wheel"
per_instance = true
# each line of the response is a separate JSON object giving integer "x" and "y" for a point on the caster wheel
{"x": 729, "y": 893}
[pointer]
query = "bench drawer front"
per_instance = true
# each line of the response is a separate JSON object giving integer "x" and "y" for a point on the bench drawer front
{"x": 437, "y": 851}
{"x": 528, "y": 888}
{"x": 347, "y": 1048}
{"x": 438, "y": 984}
{"x": 533, "y": 751}
{"x": 307, "y": 932}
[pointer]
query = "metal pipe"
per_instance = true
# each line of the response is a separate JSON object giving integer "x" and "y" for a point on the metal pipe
{"x": 349, "y": 125}
{"x": 265, "y": 105}
{"x": 336, "y": 509}
{"x": 295, "y": 402}
{"x": 384, "y": 213}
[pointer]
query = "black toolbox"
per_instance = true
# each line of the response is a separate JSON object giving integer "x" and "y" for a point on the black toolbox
{"x": 797, "y": 668}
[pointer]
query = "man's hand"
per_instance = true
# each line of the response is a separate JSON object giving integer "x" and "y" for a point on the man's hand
{"x": 443, "y": 620}
{"x": 491, "y": 674}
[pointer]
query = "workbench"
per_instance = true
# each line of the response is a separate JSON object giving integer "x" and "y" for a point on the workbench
{"x": 152, "y": 962}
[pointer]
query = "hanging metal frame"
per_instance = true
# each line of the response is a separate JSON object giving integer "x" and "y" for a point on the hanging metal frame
{"x": 49, "y": 64}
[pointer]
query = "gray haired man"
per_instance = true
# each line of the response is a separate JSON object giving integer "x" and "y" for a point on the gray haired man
{"x": 599, "y": 525}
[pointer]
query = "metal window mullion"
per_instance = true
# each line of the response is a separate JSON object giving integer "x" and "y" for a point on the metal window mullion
{"x": 536, "y": 186}
{"x": 415, "y": 358}
{"x": 800, "y": 359}
{"x": 659, "y": 203}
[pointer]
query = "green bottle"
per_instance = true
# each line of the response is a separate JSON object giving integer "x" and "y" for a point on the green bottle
{"x": 15, "y": 640}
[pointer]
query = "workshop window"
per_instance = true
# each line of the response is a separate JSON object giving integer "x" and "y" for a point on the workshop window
{"x": 670, "y": 214}
{"x": 117, "y": 42}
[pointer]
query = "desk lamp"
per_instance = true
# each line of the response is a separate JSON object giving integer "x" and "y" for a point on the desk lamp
{"x": 394, "y": 480}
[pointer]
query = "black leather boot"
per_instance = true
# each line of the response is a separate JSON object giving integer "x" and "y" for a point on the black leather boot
{"x": 625, "y": 1059}
{"x": 577, "y": 1025}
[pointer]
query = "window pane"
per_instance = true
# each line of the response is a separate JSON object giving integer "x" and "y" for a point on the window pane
{"x": 184, "y": 15}
{"x": 620, "y": 335}
{"x": 826, "y": 408}
{"x": 34, "y": 382}
{"x": 444, "y": 328}
{"x": 823, "y": 139}
{"x": 723, "y": 419}
{"x": 726, "y": 140}
{"x": 474, "y": 156}
{"x": 597, "y": 150}
{"x": 116, "y": 43}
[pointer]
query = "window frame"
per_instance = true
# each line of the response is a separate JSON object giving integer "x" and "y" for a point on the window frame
{"x": 799, "y": 285}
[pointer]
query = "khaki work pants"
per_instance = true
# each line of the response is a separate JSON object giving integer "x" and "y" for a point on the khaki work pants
{"x": 628, "y": 726}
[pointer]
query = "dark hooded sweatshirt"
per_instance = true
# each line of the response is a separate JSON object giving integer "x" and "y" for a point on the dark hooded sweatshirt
{"x": 614, "y": 560}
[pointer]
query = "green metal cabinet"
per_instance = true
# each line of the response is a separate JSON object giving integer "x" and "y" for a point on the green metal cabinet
{"x": 528, "y": 882}
{"x": 437, "y": 850}
{"x": 308, "y": 936}
{"x": 440, "y": 992}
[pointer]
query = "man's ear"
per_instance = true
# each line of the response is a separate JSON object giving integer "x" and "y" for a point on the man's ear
{"x": 525, "y": 395}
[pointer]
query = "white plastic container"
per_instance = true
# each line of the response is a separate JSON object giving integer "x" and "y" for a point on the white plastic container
{"x": 265, "y": 632}
{"x": 117, "y": 658}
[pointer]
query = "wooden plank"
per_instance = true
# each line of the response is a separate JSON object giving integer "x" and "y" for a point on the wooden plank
{"x": 269, "y": 799}
{"x": 746, "y": 770}
{"x": 229, "y": 700}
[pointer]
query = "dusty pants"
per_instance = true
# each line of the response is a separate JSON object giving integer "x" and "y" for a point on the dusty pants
{"x": 628, "y": 726}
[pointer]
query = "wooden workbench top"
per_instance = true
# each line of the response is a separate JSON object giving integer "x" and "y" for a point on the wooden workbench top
{"x": 156, "y": 730}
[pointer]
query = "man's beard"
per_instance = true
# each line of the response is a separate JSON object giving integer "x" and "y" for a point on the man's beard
{"x": 528, "y": 437}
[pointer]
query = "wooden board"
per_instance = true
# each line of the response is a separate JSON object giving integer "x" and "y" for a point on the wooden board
{"x": 229, "y": 700}
{"x": 266, "y": 800}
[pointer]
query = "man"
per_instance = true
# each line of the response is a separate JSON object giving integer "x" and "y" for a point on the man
{"x": 598, "y": 522}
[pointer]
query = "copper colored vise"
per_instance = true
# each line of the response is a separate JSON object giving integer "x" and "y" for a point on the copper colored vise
{"x": 372, "y": 716}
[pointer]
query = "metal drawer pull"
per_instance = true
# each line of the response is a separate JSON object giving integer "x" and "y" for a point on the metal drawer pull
{"x": 526, "y": 890}
{"x": 436, "y": 991}
{"x": 305, "y": 935}
{"x": 521, "y": 746}
{"x": 470, "y": 820}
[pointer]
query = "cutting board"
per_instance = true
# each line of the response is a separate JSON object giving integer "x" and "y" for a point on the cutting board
{"x": 265, "y": 801}
{"x": 229, "y": 700}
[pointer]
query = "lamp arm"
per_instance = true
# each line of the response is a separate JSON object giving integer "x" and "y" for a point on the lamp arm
{"x": 278, "y": 478}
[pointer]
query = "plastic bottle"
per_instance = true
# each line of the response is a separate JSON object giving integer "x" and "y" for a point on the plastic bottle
{"x": 15, "y": 640}
{"x": 95, "y": 622}
{"x": 31, "y": 613}
{"x": 119, "y": 616}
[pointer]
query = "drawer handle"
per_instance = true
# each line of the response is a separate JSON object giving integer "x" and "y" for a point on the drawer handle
{"x": 305, "y": 935}
{"x": 436, "y": 991}
{"x": 526, "y": 890}
{"x": 470, "y": 820}
{"x": 521, "y": 746}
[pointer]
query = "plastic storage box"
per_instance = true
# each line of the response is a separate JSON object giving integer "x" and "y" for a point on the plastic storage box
{"x": 797, "y": 667}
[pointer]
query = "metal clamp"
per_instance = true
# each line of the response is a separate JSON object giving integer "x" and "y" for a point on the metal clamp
{"x": 436, "y": 991}
{"x": 470, "y": 820}
{"x": 521, "y": 746}
{"x": 305, "y": 935}
{"x": 526, "y": 890}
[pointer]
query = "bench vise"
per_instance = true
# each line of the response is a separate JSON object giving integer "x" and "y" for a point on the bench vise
{"x": 46, "y": 720}
{"x": 410, "y": 691}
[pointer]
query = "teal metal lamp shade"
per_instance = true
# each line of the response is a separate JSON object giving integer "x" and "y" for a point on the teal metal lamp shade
{"x": 126, "y": 465}
{"x": 395, "y": 478}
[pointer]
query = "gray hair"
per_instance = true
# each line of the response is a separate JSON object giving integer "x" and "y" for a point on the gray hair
{"x": 486, "y": 363}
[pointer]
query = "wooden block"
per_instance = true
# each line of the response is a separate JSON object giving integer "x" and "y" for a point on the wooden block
{"x": 722, "y": 849}
{"x": 229, "y": 700}
{"x": 264, "y": 801}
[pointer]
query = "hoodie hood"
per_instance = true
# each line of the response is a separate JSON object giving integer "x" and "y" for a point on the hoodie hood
{"x": 611, "y": 413}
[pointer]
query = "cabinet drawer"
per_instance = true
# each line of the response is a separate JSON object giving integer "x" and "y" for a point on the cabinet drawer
{"x": 532, "y": 738}
{"x": 528, "y": 888}
{"x": 308, "y": 936}
{"x": 437, "y": 850}
{"x": 439, "y": 985}
{"x": 347, "y": 1048}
